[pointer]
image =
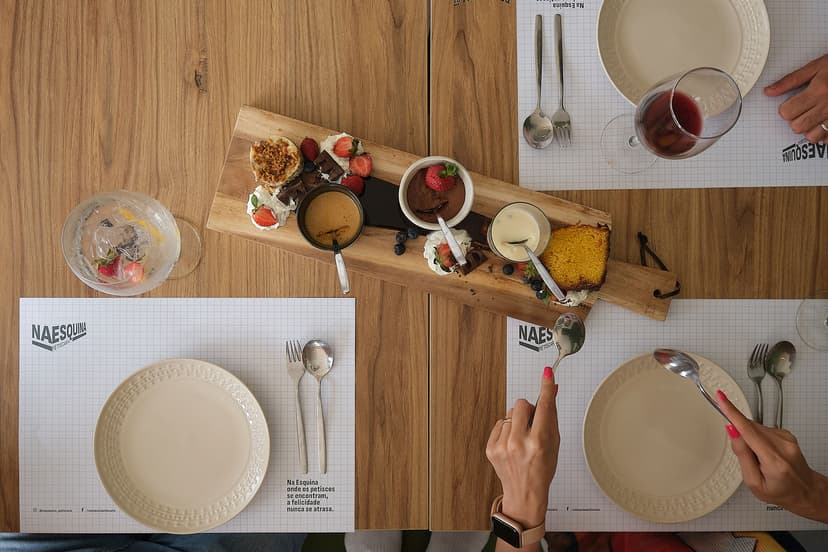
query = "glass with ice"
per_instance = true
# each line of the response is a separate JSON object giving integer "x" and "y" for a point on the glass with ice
{"x": 121, "y": 243}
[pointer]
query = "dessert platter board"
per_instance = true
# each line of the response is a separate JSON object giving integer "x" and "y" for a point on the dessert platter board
{"x": 627, "y": 285}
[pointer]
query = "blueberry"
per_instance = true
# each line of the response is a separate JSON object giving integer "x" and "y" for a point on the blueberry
{"x": 309, "y": 166}
{"x": 399, "y": 249}
{"x": 537, "y": 285}
{"x": 508, "y": 269}
{"x": 401, "y": 237}
{"x": 412, "y": 233}
{"x": 541, "y": 294}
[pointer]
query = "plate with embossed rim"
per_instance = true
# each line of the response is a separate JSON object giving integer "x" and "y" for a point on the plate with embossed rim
{"x": 656, "y": 447}
{"x": 181, "y": 446}
{"x": 641, "y": 42}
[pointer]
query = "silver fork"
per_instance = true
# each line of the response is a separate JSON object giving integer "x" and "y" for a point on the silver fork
{"x": 296, "y": 369}
{"x": 756, "y": 371}
{"x": 560, "y": 119}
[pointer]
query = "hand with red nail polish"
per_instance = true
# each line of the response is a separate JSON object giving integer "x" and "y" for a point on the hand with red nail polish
{"x": 773, "y": 467}
{"x": 524, "y": 454}
{"x": 806, "y": 110}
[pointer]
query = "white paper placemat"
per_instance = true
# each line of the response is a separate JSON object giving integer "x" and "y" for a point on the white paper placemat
{"x": 725, "y": 331}
{"x": 91, "y": 345}
{"x": 760, "y": 151}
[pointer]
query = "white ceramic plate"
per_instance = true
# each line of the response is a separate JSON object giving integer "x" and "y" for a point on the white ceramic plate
{"x": 656, "y": 447}
{"x": 642, "y": 42}
{"x": 182, "y": 446}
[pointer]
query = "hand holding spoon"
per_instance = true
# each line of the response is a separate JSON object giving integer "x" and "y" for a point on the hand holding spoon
{"x": 685, "y": 366}
{"x": 318, "y": 359}
{"x": 568, "y": 334}
{"x": 779, "y": 364}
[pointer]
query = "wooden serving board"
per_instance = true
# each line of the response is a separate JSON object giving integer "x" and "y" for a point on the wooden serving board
{"x": 627, "y": 285}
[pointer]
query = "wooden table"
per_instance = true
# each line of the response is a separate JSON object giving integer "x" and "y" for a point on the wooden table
{"x": 143, "y": 95}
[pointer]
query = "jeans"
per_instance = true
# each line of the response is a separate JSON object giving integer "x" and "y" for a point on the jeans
{"x": 203, "y": 542}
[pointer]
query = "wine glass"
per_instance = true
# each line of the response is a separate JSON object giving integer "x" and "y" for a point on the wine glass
{"x": 812, "y": 321}
{"x": 676, "y": 118}
{"x": 126, "y": 243}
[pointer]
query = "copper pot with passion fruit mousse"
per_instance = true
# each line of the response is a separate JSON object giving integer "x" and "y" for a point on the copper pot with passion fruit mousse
{"x": 330, "y": 217}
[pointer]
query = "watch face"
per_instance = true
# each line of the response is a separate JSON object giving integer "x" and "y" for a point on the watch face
{"x": 506, "y": 532}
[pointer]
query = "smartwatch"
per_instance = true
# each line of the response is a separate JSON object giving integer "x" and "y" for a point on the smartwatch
{"x": 510, "y": 531}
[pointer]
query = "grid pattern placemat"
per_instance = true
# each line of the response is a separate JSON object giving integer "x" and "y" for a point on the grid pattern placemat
{"x": 724, "y": 331}
{"x": 62, "y": 391}
{"x": 750, "y": 155}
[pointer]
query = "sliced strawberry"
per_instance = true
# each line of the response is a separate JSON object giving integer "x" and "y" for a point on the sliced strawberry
{"x": 263, "y": 216}
{"x": 134, "y": 272}
{"x": 346, "y": 146}
{"x": 309, "y": 149}
{"x": 444, "y": 256}
{"x": 361, "y": 165}
{"x": 441, "y": 177}
{"x": 108, "y": 266}
{"x": 354, "y": 183}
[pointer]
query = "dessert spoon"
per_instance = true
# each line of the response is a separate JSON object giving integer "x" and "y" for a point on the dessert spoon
{"x": 685, "y": 366}
{"x": 544, "y": 274}
{"x": 537, "y": 128}
{"x": 318, "y": 359}
{"x": 779, "y": 364}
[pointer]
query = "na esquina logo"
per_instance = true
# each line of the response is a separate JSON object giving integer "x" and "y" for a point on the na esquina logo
{"x": 52, "y": 337}
{"x": 804, "y": 151}
{"x": 534, "y": 337}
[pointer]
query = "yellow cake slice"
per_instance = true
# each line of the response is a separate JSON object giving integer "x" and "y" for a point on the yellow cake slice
{"x": 576, "y": 257}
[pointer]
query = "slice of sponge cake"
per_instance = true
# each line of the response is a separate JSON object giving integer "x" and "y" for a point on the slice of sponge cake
{"x": 576, "y": 257}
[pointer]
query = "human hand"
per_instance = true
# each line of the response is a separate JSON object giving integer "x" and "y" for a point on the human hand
{"x": 808, "y": 109}
{"x": 524, "y": 454}
{"x": 773, "y": 467}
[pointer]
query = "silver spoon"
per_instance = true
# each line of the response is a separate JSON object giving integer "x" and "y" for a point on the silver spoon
{"x": 685, "y": 366}
{"x": 779, "y": 364}
{"x": 544, "y": 274}
{"x": 537, "y": 128}
{"x": 318, "y": 359}
{"x": 569, "y": 334}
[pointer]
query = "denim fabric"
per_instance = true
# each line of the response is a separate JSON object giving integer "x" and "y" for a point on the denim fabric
{"x": 203, "y": 542}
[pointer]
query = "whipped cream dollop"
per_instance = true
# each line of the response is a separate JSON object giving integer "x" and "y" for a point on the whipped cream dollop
{"x": 436, "y": 238}
{"x": 574, "y": 298}
{"x": 328, "y": 144}
{"x": 267, "y": 199}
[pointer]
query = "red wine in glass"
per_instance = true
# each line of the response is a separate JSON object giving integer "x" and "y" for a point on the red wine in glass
{"x": 670, "y": 133}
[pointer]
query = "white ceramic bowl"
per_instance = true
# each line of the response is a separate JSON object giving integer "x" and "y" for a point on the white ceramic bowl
{"x": 422, "y": 164}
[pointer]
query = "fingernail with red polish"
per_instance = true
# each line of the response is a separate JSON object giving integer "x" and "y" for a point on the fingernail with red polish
{"x": 547, "y": 372}
{"x": 732, "y": 431}
{"x": 721, "y": 395}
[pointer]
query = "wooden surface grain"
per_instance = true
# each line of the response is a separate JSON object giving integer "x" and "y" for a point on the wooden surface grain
{"x": 143, "y": 96}
{"x": 722, "y": 243}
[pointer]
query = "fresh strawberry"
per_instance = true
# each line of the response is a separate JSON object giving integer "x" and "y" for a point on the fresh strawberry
{"x": 346, "y": 146}
{"x": 263, "y": 216}
{"x": 108, "y": 266}
{"x": 441, "y": 177}
{"x": 444, "y": 257}
{"x": 309, "y": 149}
{"x": 134, "y": 272}
{"x": 361, "y": 165}
{"x": 354, "y": 183}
